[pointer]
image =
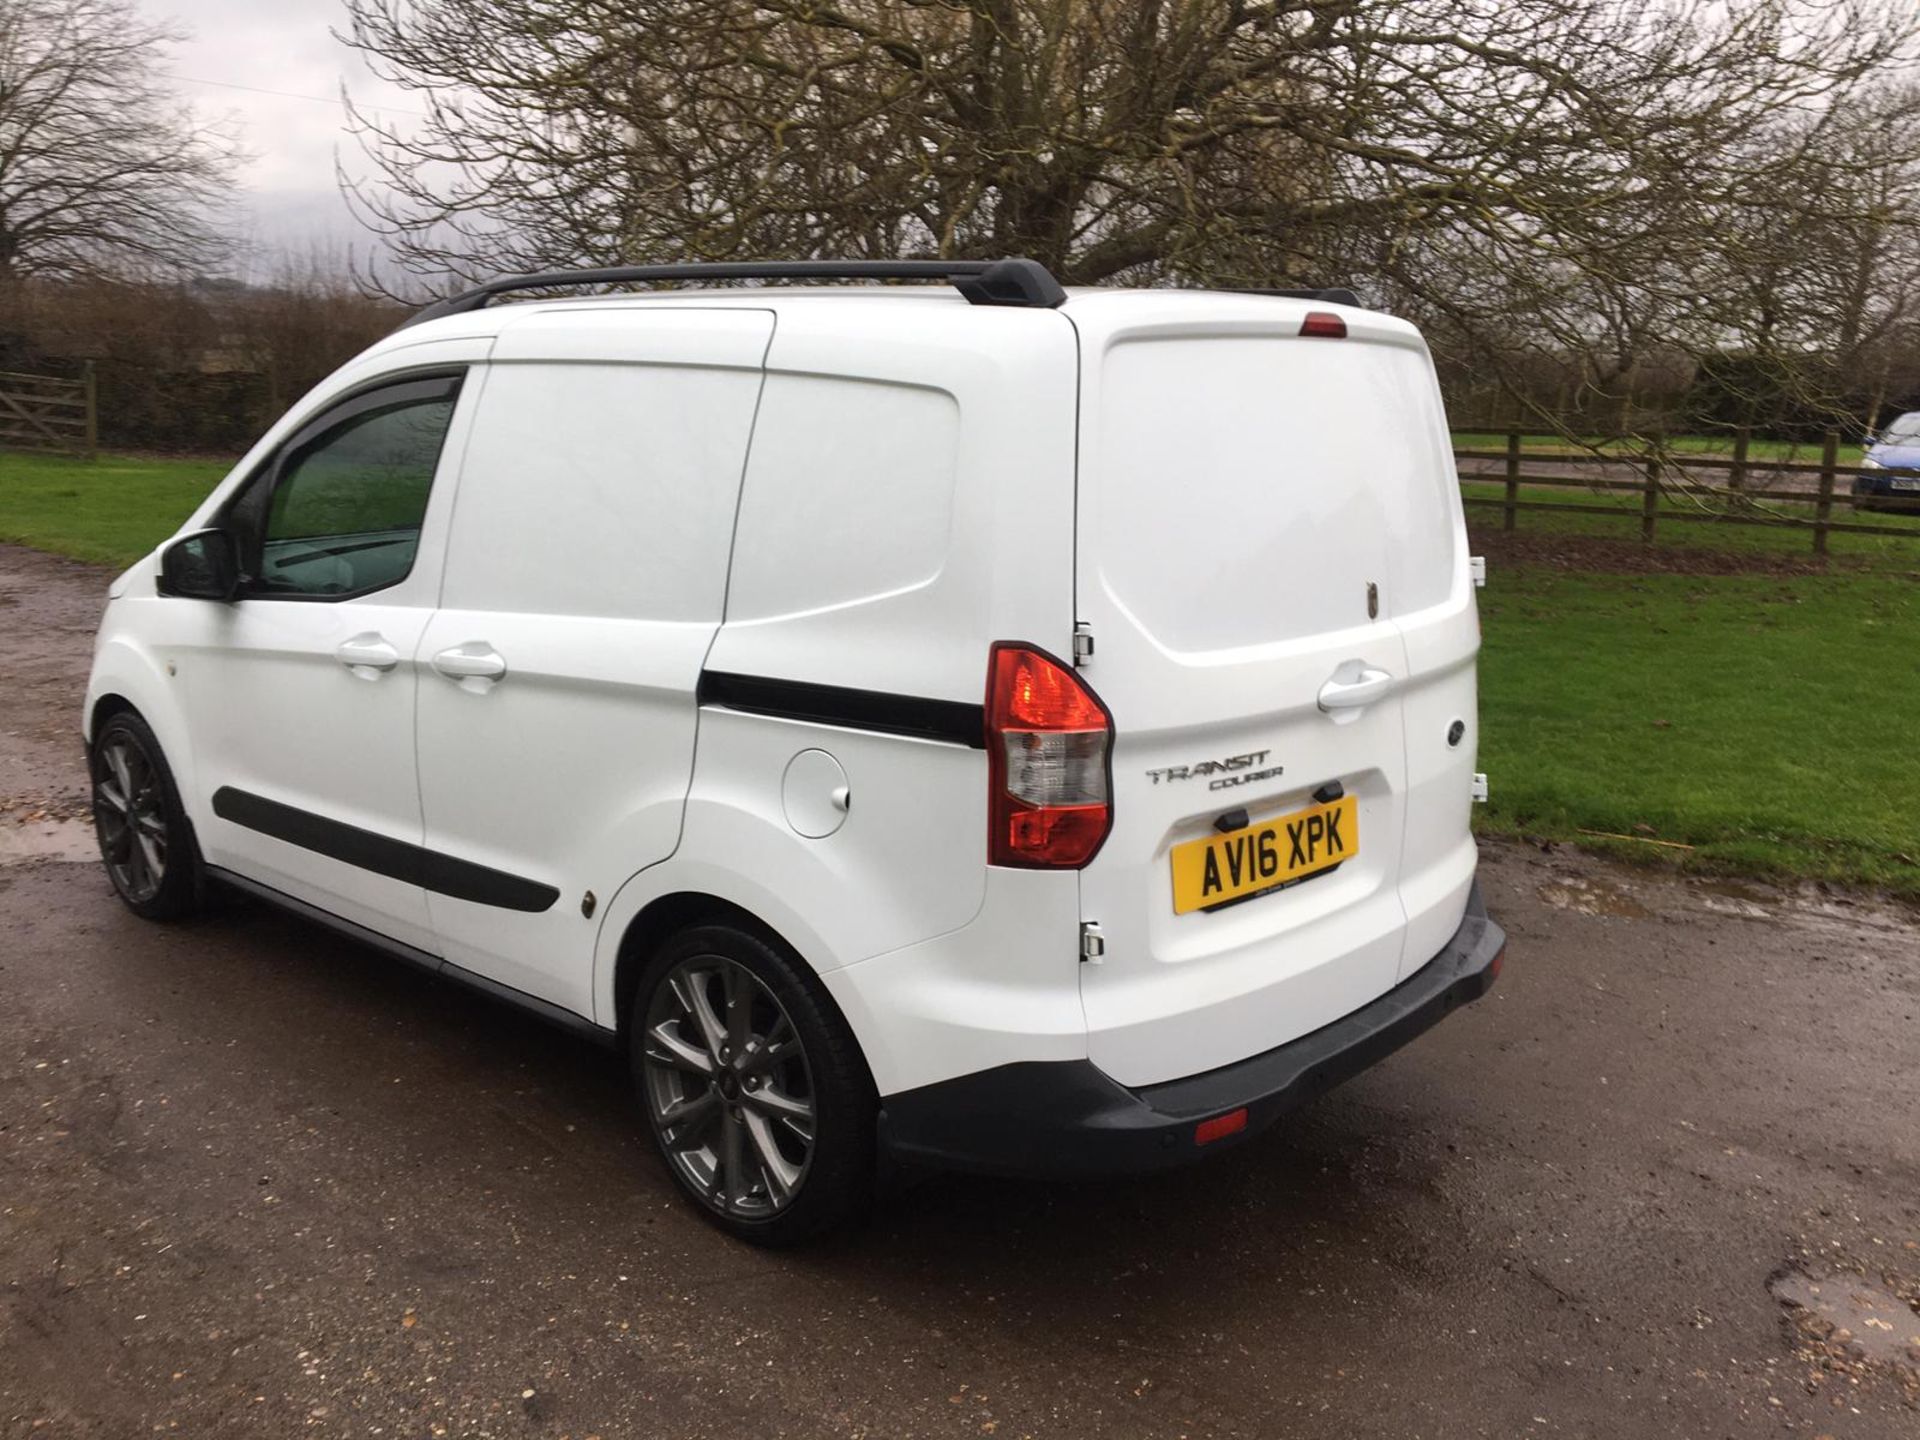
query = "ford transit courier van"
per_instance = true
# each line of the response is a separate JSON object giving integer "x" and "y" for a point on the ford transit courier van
{"x": 976, "y": 724}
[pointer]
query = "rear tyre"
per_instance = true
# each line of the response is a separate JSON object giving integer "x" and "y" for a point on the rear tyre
{"x": 146, "y": 841}
{"x": 754, "y": 1087}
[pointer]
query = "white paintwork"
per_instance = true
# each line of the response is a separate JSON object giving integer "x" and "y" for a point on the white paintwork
{"x": 258, "y": 696}
{"x": 866, "y": 488}
{"x": 851, "y": 493}
{"x": 1241, "y": 489}
{"x": 585, "y": 577}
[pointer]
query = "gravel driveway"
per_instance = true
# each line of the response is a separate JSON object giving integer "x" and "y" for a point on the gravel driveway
{"x": 254, "y": 1181}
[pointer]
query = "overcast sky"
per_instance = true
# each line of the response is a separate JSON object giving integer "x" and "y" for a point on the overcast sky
{"x": 289, "y": 196}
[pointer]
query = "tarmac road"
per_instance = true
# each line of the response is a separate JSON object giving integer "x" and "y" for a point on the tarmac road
{"x": 255, "y": 1181}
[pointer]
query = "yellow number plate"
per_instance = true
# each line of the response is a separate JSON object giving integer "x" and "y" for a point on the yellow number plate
{"x": 1262, "y": 857}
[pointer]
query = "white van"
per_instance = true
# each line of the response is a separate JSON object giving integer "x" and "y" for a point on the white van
{"x": 1014, "y": 729}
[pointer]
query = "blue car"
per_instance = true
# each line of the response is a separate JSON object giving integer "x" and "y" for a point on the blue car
{"x": 1892, "y": 467}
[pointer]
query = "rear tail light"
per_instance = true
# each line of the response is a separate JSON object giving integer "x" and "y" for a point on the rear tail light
{"x": 1048, "y": 740}
{"x": 1325, "y": 324}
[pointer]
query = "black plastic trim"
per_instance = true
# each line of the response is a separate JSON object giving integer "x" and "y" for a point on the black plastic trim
{"x": 433, "y": 964}
{"x": 1068, "y": 1118}
{"x": 954, "y": 721}
{"x": 1015, "y": 282}
{"x": 396, "y": 859}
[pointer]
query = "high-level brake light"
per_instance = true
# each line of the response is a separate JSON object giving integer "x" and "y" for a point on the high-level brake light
{"x": 1048, "y": 738}
{"x": 1324, "y": 323}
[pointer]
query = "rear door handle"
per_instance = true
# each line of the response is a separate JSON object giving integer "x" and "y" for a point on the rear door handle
{"x": 1369, "y": 685}
{"x": 473, "y": 664}
{"x": 367, "y": 655}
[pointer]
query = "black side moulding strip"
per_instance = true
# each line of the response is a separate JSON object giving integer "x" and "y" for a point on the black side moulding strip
{"x": 383, "y": 855}
{"x": 954, "y": 721}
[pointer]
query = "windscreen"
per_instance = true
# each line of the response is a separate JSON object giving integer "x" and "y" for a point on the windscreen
{"x": 1904, "y": 431}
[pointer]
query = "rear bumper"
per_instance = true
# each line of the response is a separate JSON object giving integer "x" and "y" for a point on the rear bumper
{"x": 1067, "y": 1118}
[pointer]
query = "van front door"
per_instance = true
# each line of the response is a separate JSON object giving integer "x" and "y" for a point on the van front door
{"x": 300, "y": 694}
{"x": 586, "y": 574}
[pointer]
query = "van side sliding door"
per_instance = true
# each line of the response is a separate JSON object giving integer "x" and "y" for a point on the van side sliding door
{"x": 586, "y": 573}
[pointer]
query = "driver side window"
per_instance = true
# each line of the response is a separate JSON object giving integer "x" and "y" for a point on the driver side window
{"x": 347, "y": 497}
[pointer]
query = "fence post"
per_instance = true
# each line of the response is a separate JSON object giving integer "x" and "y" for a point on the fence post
{"x": 93, "y": 410}
{"x": 1823, "y": 512}
{"x": 1512, "y": 508}
{"x": 1738, "y": 477}
{"x": 1650, "y": 497}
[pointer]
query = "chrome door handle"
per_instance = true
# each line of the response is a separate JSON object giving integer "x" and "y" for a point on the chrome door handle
{"x": 475, "y": 660}
{"x": 1369, "y": 685}
{"x": 367, "y": 655}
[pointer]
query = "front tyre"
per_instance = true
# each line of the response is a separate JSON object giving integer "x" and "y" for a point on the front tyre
{"x": 145, "y": 839}
{"x": 756, "y": 1091}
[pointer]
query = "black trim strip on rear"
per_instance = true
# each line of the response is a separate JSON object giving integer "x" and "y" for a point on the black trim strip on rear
{"x": 953, "y": 721}
{"x": 396, "y": 859}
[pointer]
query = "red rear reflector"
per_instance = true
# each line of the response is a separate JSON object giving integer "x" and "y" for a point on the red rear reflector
{"x": 1493, "y": 970}
{"x": 1221, "y": 1126}
{"x": 1047, "y": 742}
{"x": 1324, "y": 323}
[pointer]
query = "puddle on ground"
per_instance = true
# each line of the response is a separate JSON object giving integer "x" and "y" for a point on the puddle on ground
{"x": 1807, "y": 906}
{"x": 1839, "y": 916}
{"x": 1854, "y": 1318}
{"x": 1731, "y": 897}
{"x": 46, "y": 840}
{"x": 1591, "y": 897}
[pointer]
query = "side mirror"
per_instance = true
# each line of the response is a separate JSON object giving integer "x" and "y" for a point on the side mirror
{"x": 202, "y": 566}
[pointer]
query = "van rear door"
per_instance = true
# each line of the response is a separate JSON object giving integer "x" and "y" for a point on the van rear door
{"x": 1254, "y": 506}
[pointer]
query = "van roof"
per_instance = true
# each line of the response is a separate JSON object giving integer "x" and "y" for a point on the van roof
{"x": 1014, "y": 283}
{"x": 1018, "y": 283}
{"x": 1102, "y": 308}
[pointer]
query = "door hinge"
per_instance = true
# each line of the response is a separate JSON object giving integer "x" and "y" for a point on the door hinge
{"x": 1082, "y": 642}
{"x": 1480, "y": 786}
{"x": 1093, "y": 945}
{"x": 1477, "y": 567}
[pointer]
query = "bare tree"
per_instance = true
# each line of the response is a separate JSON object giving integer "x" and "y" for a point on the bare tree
{"x": 1831, "y": 264}
{"x": 1774, "y": 281}
{"x": 100, "y": 168}
{"x": 1192, "y": 139}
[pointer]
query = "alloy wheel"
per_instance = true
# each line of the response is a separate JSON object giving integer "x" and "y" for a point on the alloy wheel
{"x": 728, "y": 1087}
{"x": 129, "y": 816}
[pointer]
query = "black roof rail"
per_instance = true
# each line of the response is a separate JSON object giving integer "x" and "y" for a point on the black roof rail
{"x": 983, "y": 282}
{"x": 1335, "y": 295}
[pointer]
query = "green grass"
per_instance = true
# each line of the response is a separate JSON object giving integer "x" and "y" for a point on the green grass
{"x": 110, "y": 511}
{"x": 1616, "y": 513}
{"x": 1764, "y": 720}
{"x": 1806, "y": 453}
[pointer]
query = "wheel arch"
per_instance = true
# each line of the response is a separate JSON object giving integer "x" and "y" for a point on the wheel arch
{"x": 107, "y": 706}
{"x": 669, "y": 914}
{"x": 128, "y": 676}
{"x": 659, "y": 921}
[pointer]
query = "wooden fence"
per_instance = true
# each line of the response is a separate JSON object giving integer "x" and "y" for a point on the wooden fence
{"x": 1722, "y": 490}
{"x": 49, "y": 412}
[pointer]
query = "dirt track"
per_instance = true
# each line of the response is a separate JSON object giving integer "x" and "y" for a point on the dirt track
{"x": 257, "y": 1182}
